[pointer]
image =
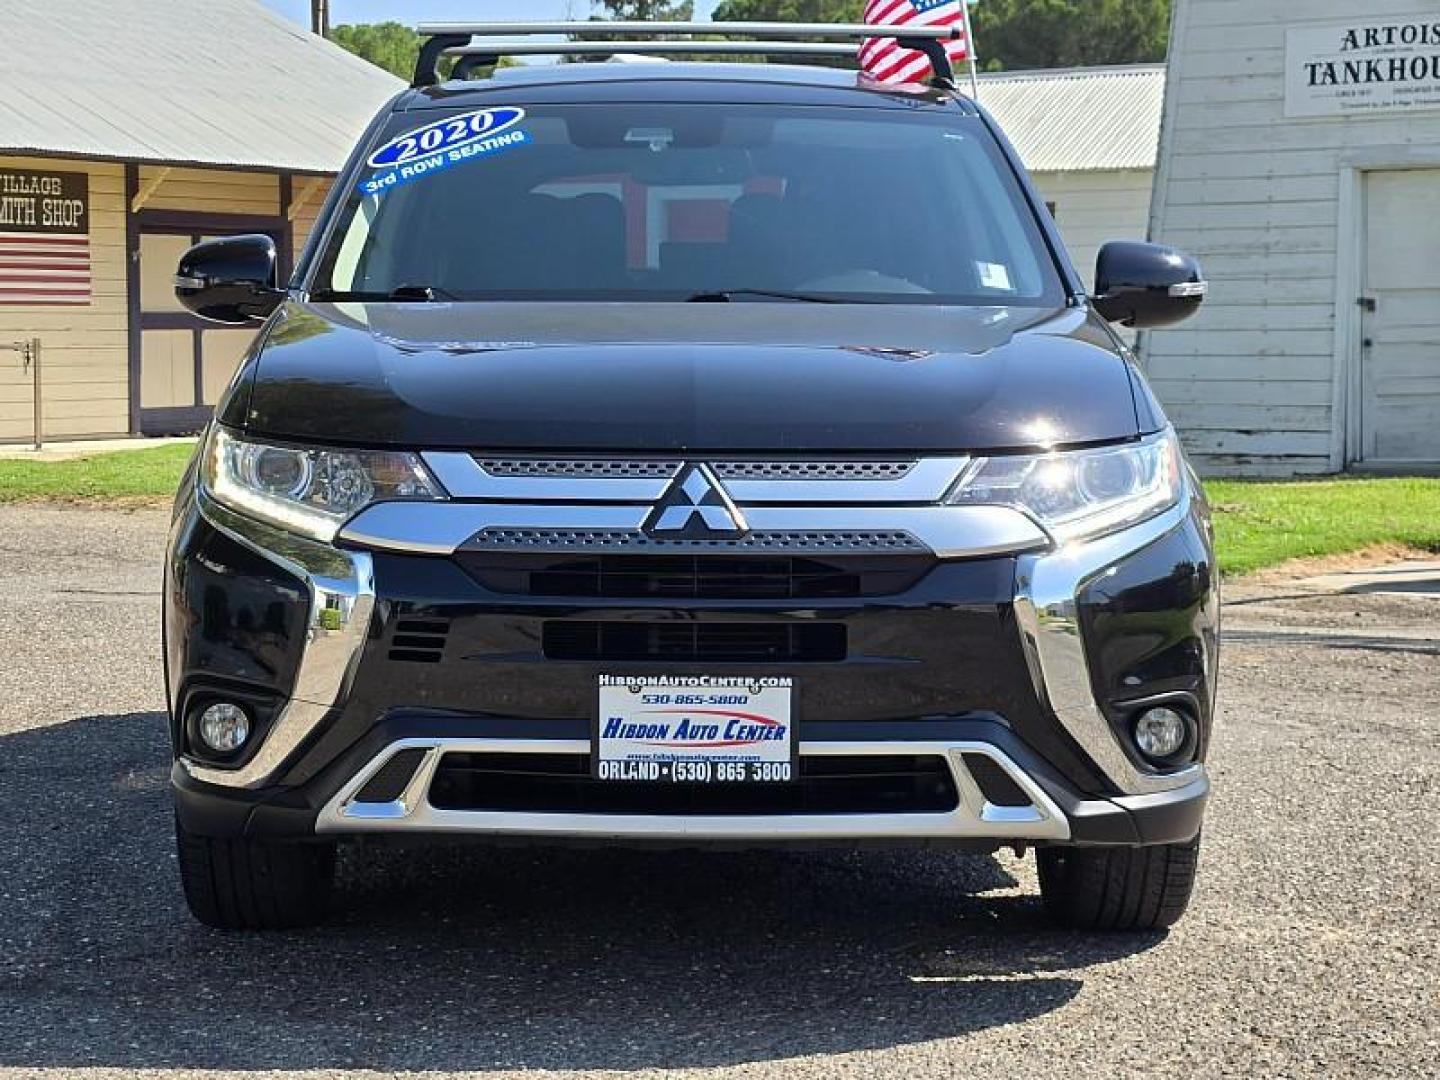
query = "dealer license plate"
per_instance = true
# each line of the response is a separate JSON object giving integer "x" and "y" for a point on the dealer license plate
{"x": 707, "y": 729}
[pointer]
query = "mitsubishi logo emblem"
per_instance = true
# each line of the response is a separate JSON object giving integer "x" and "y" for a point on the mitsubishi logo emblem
{"x": 695, "y": 507}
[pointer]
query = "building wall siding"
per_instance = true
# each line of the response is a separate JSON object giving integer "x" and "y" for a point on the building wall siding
{"x": 313, "y": 190}
{"x": 213, "y": 191}
{"x": 1092, "y": 208}
{"x": 86, "y": 349}
{"x": 83, "y": 349}
{"x": 1251, "y": 381}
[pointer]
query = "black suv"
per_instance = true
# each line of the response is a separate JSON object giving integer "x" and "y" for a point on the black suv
{"x": 689, "y": 453}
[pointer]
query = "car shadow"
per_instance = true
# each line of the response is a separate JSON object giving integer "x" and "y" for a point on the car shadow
{"x": 478, "y": 958}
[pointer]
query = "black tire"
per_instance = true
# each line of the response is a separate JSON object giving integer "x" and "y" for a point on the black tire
{"x": 1137, "y": 888}
{"x": 255, "y": 884}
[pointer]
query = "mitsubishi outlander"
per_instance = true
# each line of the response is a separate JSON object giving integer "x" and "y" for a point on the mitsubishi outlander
{"x": 688, "y": 454}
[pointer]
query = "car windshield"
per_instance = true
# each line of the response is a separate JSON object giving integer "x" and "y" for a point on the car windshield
{"x": 687, "y": 202}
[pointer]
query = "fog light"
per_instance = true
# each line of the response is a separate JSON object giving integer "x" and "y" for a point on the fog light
{"x": 1161, "y": 733}
{"x": 224, "y": 728}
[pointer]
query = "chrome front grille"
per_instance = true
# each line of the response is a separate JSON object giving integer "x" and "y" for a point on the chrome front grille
{"x": 758, "y": 481}
{"x": 579, "y": 468}
{"x": 812, "y": 470}
{"x": 516, "y": 502}
{"x": 664, "y": 469}
{"x": 635, "y": 540}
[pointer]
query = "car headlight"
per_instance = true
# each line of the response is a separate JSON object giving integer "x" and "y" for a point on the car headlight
{"x": 1078, "y": 494}
{"x": 310, "y": 491}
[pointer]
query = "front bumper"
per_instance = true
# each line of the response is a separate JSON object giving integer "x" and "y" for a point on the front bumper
{"x": 328, "y": 806}
{"x": 1032, "y": 661}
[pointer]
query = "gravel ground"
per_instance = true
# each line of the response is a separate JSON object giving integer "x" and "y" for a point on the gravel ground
{"x": 1313, "y": 947}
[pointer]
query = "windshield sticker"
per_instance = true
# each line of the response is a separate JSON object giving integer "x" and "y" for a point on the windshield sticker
{"x": 443, "y": 144}
{"x": 994, "y": 276}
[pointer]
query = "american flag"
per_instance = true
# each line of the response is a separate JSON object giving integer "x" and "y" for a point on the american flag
{"x": 887, "y": 62}
{"x": 43, "y": 269}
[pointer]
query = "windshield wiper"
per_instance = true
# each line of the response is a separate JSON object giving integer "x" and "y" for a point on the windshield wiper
{"x": 724, "y": 296}
{"x": 403, "y": 294}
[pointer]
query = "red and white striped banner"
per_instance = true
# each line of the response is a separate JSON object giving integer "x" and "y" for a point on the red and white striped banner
{"x": 44, "y": 269}
{"x": 44, "y": 238}
{"x": 887, "y": 62}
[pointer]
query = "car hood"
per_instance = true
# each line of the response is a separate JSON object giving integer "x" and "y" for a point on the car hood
{"x": 688, "y": 377}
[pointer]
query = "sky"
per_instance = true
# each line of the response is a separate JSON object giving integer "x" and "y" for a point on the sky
{"x": 416, "y": 11}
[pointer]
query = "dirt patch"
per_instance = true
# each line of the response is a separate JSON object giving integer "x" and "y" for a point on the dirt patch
{"x": 122, "y": 502}
{"x": 1315, "y": 565}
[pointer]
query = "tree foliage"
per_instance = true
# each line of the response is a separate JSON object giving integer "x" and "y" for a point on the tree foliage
{"x": 634, "y": 11}
{"x": 644, "y": 10}
{"x": 1070, "y": 33}
{"x": 1013, "y": 33}
{"x": 389, "y": 45}
{"x": 828, "y": 11}
{"x": 810, "y": 11}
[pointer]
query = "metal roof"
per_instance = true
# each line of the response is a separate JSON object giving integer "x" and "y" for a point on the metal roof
{"x": 1081, "y": 118}
{"x": 229, "y": 82}
{"x": 1071, "y": 120}
{"x": 215, "y": 82}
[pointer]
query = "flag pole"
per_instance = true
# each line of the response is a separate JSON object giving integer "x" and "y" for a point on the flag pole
{"x": 970, "y": 49}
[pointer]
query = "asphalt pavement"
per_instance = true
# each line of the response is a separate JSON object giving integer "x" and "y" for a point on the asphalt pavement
{"x": 1312, "y": 948}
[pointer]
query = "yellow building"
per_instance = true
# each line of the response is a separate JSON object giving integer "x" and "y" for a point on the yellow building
{"x": 199, "y": 119}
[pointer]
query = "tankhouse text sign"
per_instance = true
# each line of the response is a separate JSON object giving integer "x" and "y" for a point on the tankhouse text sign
{"x": 1362, "y": 67}
{"x": 44, "y": 238}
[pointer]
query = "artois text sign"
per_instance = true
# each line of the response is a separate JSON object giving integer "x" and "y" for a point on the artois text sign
{"x": 1361, "y": 67}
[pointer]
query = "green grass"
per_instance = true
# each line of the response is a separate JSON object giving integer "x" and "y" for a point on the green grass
{"x": 130, "y": 476}
{"x": 1260, "y": 524}
{"x": 1257, "y": 524}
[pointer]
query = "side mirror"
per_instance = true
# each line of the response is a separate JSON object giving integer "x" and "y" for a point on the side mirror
{"x": 231, "y": 280}
{"x": 1146, "y": 285}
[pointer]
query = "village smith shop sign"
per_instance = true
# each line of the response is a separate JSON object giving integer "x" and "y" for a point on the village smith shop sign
{"x": 1370, "y": 67}
{"x": 44, "y": 238}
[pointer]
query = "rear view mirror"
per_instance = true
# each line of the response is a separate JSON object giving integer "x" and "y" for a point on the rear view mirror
{"x": 1147, "y": 285}
{"x": 232, "y": 280}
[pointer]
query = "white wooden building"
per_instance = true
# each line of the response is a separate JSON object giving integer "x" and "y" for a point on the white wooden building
{"x": 1300, "y": 160}
{"x": 1089, "y": 137}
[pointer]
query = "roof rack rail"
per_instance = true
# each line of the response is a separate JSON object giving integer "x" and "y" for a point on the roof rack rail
{"x": 806, "y": 39}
